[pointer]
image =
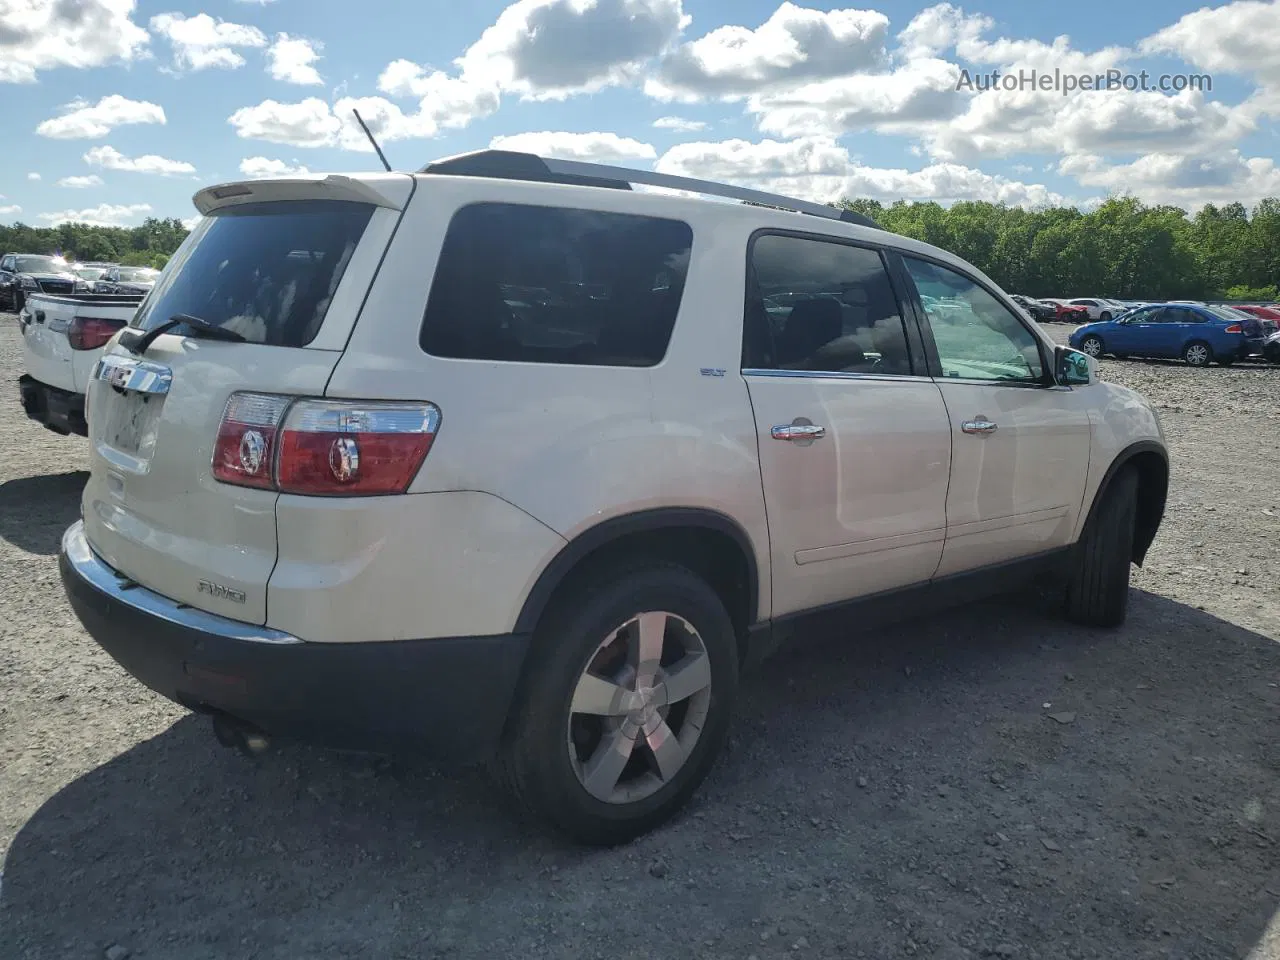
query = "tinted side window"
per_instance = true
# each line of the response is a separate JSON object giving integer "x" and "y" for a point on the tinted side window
{"x": 552, "y": 285}
{"x": 822, "y": 306}
{"x": 978, "y": 338}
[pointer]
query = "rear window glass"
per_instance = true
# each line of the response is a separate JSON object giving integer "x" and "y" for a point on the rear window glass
{"x": 553, "y": 285}
{"x": 268, "y": 271}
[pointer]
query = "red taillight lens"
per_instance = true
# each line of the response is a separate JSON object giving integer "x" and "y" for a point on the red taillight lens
{"x": 246, "y": 443}
{"x": 323, "y": 447}
{"x": 1235, "y": 328}
{"x": 90, "y": 333}
{"x": 335, "y": 447}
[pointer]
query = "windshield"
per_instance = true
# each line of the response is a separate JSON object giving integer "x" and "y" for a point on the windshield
{"x": 135, "y": 274}
{"x": 88, "y": 273}
{"x": 266, "y": 270}
{"x": 41, "y": 265}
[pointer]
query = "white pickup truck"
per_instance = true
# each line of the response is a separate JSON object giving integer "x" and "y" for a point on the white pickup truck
{"x": 62, "y": 338}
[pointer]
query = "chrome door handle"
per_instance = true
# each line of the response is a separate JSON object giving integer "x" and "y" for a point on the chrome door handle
{"x": 979, "y": 424}
{"x": 798, "y": 431}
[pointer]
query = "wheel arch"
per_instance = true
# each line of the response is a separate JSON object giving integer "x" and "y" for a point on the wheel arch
{"x": 1151, "y": 460}
{"x": 712, "y": 544}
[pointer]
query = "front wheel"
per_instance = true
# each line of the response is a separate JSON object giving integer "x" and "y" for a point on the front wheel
{"x": 1197, "y": 353}
{"x": 1097, "y": 592}
{"x": 1104, "y": 316}
{"x": 1092, "y": 345}
{"x": 626, "y": 704}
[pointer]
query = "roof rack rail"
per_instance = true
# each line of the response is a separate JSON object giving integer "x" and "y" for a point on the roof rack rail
{"x": 513, "y": 165}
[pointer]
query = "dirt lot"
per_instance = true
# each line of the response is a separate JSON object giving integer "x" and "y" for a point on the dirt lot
{"x": 905, "y": 794}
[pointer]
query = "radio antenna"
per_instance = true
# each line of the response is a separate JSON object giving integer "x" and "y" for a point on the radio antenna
{"x": 367, "y": 133}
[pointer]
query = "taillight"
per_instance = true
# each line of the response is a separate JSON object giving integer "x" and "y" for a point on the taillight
{"x": 246, "y": 443}
{"x": 90, "y": 333}
{"x": 323, "y": 447}
{"x": 1235, "y": 328}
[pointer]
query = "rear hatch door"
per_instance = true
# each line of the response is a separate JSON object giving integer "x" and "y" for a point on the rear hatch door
{"x": 286, "y": 265}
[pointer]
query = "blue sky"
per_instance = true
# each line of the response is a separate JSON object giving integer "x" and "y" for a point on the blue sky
{"x": 121, "y": 109}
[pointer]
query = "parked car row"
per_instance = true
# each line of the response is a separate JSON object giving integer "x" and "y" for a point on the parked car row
{"x": 23, "y": 274}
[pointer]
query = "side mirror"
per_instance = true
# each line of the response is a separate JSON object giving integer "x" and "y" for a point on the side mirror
{"x": 1073, "y": 368}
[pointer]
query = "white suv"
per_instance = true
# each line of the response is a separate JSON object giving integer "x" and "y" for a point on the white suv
{"x": 506, "y": 460}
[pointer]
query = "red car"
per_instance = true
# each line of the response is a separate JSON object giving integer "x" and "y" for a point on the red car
{"x": 1262, "y": 313}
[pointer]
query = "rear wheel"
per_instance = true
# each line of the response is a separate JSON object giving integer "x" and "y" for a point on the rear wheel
{"x": 1097, "y": 590}
{"x": 1092, "y": 345}
{"x": 1104, "y": 316}
{"x": 626, "y": 705}
{"x": 1197, "y": 353}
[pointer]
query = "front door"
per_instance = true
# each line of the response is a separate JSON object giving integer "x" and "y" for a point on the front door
{"x": 1020, "y": 443}
{"x": 854, "y": 440}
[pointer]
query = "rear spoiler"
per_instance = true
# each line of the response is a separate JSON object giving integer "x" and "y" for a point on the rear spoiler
{"x": 390, "y": 190}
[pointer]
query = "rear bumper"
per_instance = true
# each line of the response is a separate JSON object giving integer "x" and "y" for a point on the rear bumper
{"x": 447, "y": 698}
{"x": 59, "y": 410}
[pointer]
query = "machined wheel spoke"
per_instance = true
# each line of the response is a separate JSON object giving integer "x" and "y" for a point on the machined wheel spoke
{"x": 601, "y": 772}
{"x": 652, "y": 627}
{"x": 667, "y": 752}
{"x": 687, "y": 677}
{"x": 600, "y": 697}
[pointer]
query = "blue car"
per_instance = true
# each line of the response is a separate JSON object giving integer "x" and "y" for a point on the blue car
{"x": 1195, "y": 333}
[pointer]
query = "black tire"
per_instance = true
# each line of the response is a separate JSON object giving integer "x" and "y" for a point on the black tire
{"x": 1093, "y": 338}
{"x": 534, "y": 761}
{"x": 17, "y": 301}
{"x": 1197, "y": 357}
{"x": 1104, "y": 316}
{"x": 1097, "y": 588}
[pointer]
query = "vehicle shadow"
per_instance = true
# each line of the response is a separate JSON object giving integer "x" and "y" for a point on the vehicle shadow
{"x": 34, "y": 511}
{"x": 989, "y": 782}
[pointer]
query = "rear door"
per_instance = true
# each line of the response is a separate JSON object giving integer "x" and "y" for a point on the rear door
{"x": 286, "y": 265}
{"x": 1020, "y": 443}
{"x": 853, "y": 435}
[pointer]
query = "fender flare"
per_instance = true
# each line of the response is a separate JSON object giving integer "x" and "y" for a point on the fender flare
{"x": 1122, "y": 458}
{"x": 643, "y": 521}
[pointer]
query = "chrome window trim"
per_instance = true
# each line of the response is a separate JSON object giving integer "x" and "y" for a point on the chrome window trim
{"x": 120, "y": 589}
{"x": 832, "y": 375}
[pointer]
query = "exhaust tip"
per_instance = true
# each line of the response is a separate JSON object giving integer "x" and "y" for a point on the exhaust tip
{"x": 239, "y": 735}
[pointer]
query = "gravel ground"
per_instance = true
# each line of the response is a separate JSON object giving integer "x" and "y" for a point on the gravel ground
{"x": 904, "y": 794}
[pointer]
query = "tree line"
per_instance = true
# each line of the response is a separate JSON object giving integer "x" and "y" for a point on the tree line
{"x": 148, "y": 245}
{"x": 1123, "y": 248}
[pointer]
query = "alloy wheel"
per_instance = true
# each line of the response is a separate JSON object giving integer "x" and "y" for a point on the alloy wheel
{"x": 639, "y": 707}
{"x": 1092, "y": 346}
{"x": 1197, "y": 355}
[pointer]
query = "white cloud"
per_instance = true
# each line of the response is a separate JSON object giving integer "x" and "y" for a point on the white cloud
{"x": 548, "y": 49}
{"x": 795, "y": 44}
{"x": 1241, "y": 37}
{"x": 451, "y": 102}
{"x": 258, "y": 167}
{"x": 33, "y": 176}
{"x": 110, "y": 158}
{"x": 292, "y": 59}
{"x": 37, "y": 35}
{"x": 820, "y": 169}
{"x": 923, "y": 90}
{"x": 940, "y": 28}
{"x": 309, "y": 123}
{"x": 83, "y": 120}
{"x": 103, "y": 215}
{"x": 679, "y": 124}
{"x": 201, "y": 42}
{"x": 79, "y": 183}
{"x": 10, "y": 211}
{"x": 1002, "y": 124}
{"x": 314, "y": 123}
{"x": 593, "y": 147}
{"x": 1188, "y": 181}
